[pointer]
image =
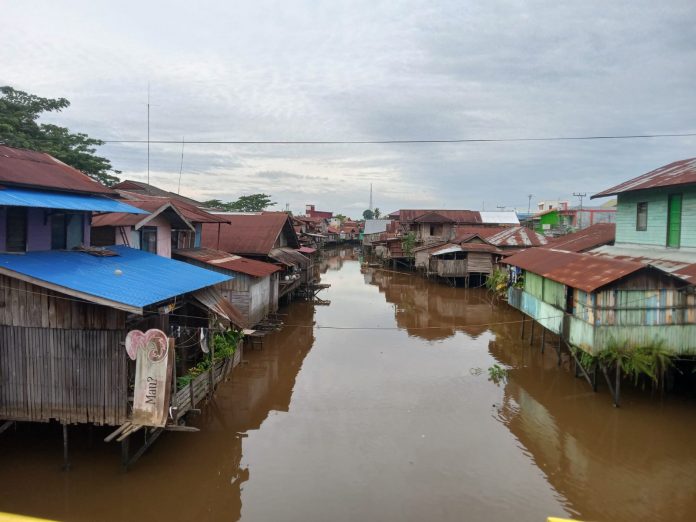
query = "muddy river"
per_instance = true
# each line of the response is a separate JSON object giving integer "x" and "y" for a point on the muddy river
{"x": 379, "y": 407}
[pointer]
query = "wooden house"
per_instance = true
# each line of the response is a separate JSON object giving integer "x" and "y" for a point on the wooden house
{"x": 373, "y": 229}
{"x": 171, "y": 223}
{"x": 440, "y": 225}
{"x": 66, "y": 307}
{"x": 639, "y": 291}
{"x": 264, "y": 236}
{"x": 254, "y": 289}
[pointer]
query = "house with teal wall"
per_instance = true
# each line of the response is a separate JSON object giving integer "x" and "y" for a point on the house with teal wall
{"x": 639, "y": 291}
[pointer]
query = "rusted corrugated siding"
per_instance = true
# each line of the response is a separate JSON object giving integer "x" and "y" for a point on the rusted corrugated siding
{"x": 586, "y": 239}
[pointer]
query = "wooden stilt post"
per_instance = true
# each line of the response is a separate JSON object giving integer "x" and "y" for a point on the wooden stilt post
{"x": 211, "y": 376}
{"x": 531, "y": 336}
{"x": 543, "y": 338}
{"x": 66, "y": 455}
{"x": 125, "y": 453}
{"x": 524, "y": 318}
{"x": 594, "y": 377}
{"x": 617, "y": 386}
{"x": 558, "y": 353}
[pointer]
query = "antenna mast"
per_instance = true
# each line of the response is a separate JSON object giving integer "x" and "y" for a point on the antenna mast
{"x": 181, "y": 165}
{"x": 148, "y": 133}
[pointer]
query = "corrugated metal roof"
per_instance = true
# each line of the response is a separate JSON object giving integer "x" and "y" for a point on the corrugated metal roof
{"x": 130, "y": 281}
{"x": 252, "y": 234}
{"x": 681, "y": 172}
{"x": 224, "y": 260}
{"x": 583, "y": 271}
{"x": 26, "y": 197}
{"x": 213, "y": 300}
{"x": 515, "y": 237}
{"x": 506, "y": 217}
{"x": 586, "y": 239}
{"x": 38, "y": 169}
{"x": 455, "y": 216}
{"x": 289, "y": 257}
{"x": 680, "y": 262}
{"x": 144, "y": 189}
{"x": 118, "y": 219}
{"x": 190, "y": 212}
{"x": 375, "y": 226}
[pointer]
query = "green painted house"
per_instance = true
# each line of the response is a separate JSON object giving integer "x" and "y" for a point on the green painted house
{"x": 639, "y": 291}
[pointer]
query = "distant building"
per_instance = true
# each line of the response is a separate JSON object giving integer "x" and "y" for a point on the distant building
{"x": 312, "y": 212}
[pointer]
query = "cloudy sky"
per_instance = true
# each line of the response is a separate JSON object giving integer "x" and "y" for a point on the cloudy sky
{"x": 367, "y": 70}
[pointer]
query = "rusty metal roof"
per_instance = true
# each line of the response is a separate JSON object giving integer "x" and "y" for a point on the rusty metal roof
{"x": 212, "y": 299}
{"x": 438, "y": 216}
{"x": 583, "y": 271}
{"x": 190, "y": 212}
{"x": 586, "y": 239}
{"x": 143, "y": 189}
{"x": 289, "y": 257}
{"x": 224, "y": 260}
{"x": 502, "y": 237}
{"x": 38, "y": 169}
{"x": 681, "y": 172}
{"x": 251, "y": 234}
{"x": 120, "y": 219}
{"x": 679, "y": 263}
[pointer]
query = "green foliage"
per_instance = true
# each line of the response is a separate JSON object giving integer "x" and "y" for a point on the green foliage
{"x": 651, "y": 359}
{"x": 408, "y": 243}
{"x": 251, "y": 203}
{"x": 224, "y": 345}
{"x": 19, "y": 127}
{"x": 497, "y": 374}
{"x": 368, "y": 214}
{"x": 497, "y": 282}
{"x": 376, "y": 212}
{"x": 341, "y": 217}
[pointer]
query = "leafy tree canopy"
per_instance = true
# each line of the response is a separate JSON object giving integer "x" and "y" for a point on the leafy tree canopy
{"x": 251, "y": 203}
{"x": 341, "y": 217}
{"x": 19, "y": 127}
{"x": 376, "y": 212}
{"x": 368, "y": 214}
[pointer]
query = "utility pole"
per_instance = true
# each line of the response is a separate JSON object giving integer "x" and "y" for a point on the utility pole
{"x": 370, "y": 196}
{"x": 529, "y": 203}
{"x": 500, "y": 207}
{"x": 580, "y": 195}
{"x": 181, "y": 165}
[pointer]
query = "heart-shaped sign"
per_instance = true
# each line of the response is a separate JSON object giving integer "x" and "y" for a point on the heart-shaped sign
{"x": 154, "y": 342}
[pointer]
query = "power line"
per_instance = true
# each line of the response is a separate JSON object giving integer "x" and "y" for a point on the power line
{"x": 405, "y": 142}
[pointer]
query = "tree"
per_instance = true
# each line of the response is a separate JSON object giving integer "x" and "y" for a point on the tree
{"x": 368, "y": 214}
{"x": 19, "y": 127}
{"x": 376, "y": 213}
{"x": 251, "y": 203}
{"x": 341, "y": 217}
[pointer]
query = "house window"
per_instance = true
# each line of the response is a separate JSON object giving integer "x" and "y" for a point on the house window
{"x": 183, "y": 239}
{"x": 642, "y": 216}
{"x": 67, "y": 231}
{"x": 16, "y": 231}
{"x": 148, "y": 239}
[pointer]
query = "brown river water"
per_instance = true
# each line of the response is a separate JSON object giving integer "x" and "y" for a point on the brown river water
{"x": 334, "y": 422}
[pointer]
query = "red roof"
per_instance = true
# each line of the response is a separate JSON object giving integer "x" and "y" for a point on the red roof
{"x": 38, "y": 169}
{"x": 251, "y": 234}
{"x": 234, "y": 263}
{"x": 583, "y": 271}
{"x": 586, "y": 239}
{"x": 681, "y": 172}
{"x": 189, "y": 211}
{"x": 306, "y": 250}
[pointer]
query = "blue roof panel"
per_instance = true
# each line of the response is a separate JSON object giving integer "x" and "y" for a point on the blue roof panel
{"x": 133, "y": 278}
{"x": 22, "y": 197}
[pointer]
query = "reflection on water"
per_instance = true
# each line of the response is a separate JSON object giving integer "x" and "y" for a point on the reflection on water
{"x": 386, "y": 423}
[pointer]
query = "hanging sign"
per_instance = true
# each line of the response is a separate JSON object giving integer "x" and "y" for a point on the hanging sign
{"x": 153, "y": 358}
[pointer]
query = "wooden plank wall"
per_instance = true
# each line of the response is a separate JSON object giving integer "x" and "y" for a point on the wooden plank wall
{"x": 25, "y": 304}
{"x": 64, "y": 374}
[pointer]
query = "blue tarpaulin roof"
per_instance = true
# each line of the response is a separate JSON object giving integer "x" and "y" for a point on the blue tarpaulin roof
{"x": 130, "y": 281}
{"x": 23, "y": 197}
